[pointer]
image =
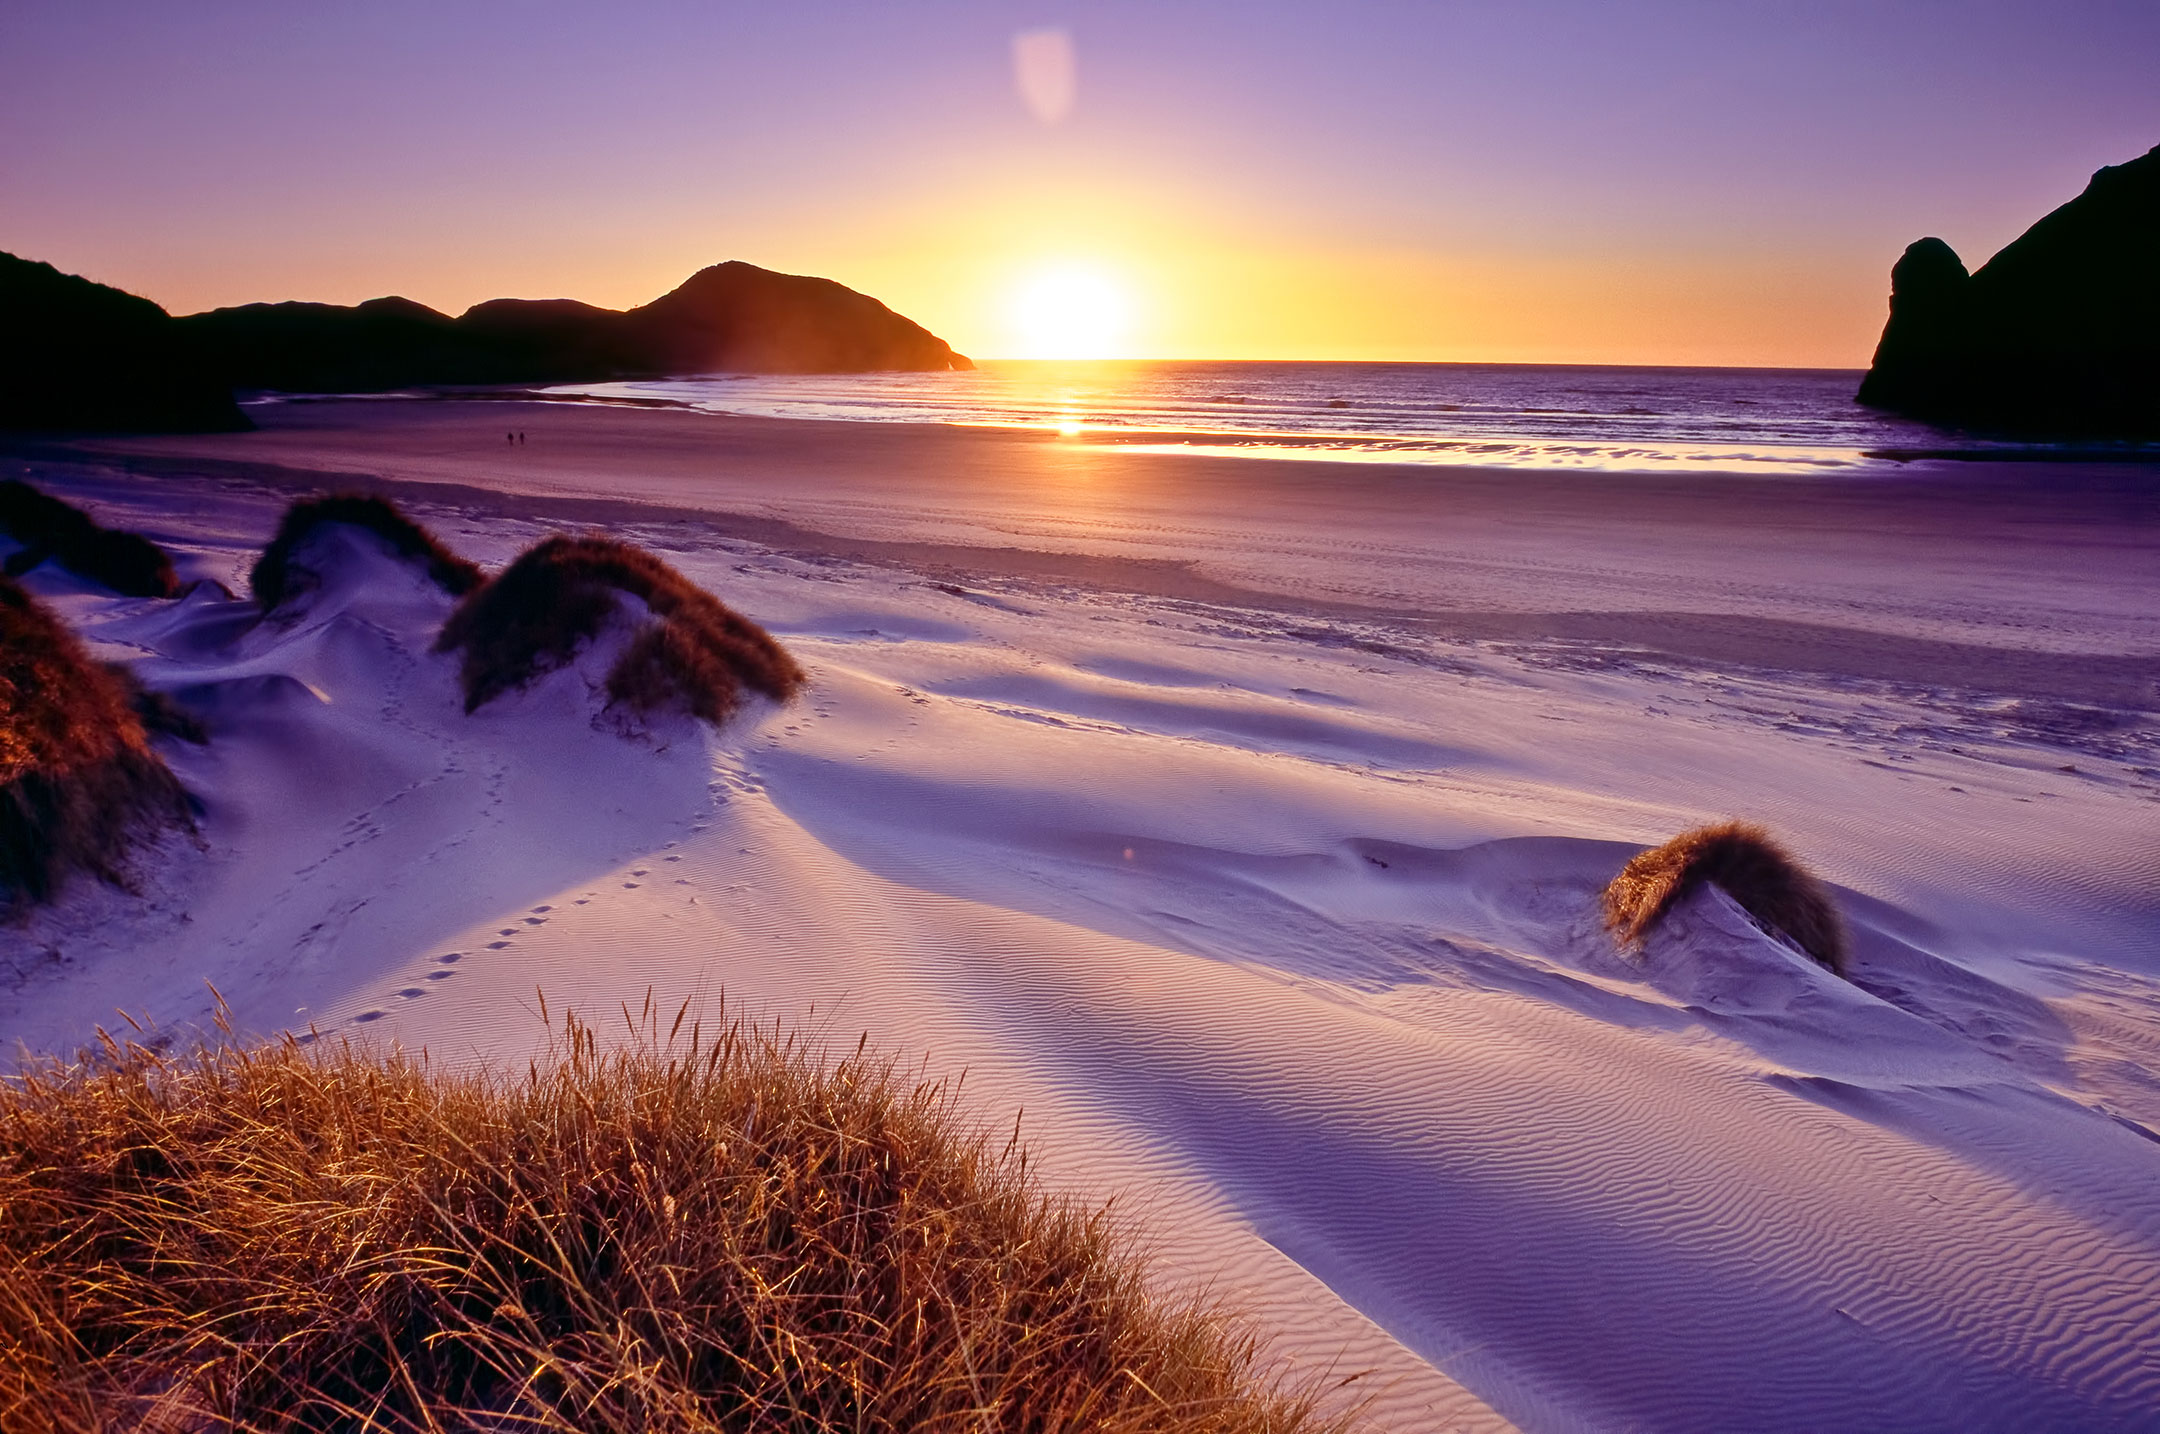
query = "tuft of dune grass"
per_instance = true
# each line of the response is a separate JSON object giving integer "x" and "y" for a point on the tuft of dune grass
{"x": 128, "y": 563}
{"x": 274, "y": 579}
{"x": 698, "y": 1234}
{"x": 698, "y": 655}
{"x": 1749, "y": 866}
{"x": 79, "y": 783}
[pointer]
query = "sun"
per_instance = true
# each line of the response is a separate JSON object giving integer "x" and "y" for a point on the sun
{"x": 1073, "y": 311}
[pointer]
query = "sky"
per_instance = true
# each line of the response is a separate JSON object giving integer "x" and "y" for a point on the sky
{"x": 1725, "y": 182}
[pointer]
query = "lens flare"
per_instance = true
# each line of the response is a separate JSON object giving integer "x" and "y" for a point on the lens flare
{"x": 1045, "y": 73}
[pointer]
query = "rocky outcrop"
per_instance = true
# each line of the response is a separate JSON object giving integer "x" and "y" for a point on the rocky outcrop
{"x": 731, "y": 317}
{"x": 2059, "y": 334}
{"x": 85, "y": 356}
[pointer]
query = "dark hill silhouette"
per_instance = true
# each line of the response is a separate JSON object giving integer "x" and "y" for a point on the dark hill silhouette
{"x": 81, "y": 355}
{"x": 732, "y": 316}
{"x": 383, "y": 343}
{"x": 740, "y": 317}
{"x": 2057, "y": 334}
{"x": 535, "y": 340}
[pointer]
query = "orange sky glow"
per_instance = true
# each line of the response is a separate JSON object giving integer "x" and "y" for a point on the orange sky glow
{"x": 1557, "y": 182}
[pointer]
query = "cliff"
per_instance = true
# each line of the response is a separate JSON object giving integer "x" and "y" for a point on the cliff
{"x": 81, "y": 355}
{"x": 731, "y": 317}
{"x": 2059, "y": 334}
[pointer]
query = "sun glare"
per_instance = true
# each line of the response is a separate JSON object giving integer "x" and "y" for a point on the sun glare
{"x": 1071, "y": 313}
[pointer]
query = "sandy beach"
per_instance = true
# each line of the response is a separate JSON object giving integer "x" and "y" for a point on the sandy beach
{"x": 1237, "y": 827}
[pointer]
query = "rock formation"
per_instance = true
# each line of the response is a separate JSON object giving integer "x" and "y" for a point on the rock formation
{"x": 2059, "y": 334}
{"x": 81, "y": 355}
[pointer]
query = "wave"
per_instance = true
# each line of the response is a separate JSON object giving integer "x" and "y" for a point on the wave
{"x": 1486, "y": 415}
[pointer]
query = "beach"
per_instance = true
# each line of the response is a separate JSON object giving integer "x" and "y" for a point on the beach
{"x": 1237, "y": 827}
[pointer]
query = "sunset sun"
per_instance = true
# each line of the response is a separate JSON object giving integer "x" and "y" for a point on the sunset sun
{"x": 1071, "y": 312}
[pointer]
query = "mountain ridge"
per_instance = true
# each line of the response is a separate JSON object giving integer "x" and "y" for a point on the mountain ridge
{"x": 88, "y": 356}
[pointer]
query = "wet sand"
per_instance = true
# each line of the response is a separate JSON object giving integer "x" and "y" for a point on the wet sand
{"x": 2037, "y": 577}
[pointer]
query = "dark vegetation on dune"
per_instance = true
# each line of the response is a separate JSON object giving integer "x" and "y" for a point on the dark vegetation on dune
{"x": 159, "y": 714}
{"x": 79, "y": 783}
{"x": 275, "y": 577}
{"x": 83, "y": 355}
{"x": 50, "y": 530}
{"x": 698, "y": 654}
{"x": 1746, "y": 864}
{"x": 685, "y": 1234}
{"x": 2058, "y": 334}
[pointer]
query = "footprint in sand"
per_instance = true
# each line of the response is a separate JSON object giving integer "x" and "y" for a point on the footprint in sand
{"x": 498, "y": 945}
{"x": 629, "y": 886}
{"x": 440, "y": 975}
{"x": 536, "y": 921}
{"x": 411, "y": 993}
{"x": 449, "y": 958}
{"x": 507, "y": 931}
{"x": 542, "y": 910}
{"x": 369, "y": 1016}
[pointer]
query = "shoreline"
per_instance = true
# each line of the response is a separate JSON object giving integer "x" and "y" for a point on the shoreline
{"x": 1242, "y": 826}
{"x": 1678, "y": 639}
{"x": 1483, "y": 552}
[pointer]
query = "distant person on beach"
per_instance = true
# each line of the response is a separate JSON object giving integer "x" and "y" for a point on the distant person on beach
{"x": 509, "y": 438}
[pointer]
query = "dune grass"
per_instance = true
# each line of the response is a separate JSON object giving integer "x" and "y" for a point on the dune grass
{"x": 698, "y": 654}
{"x": 683, "y": 1233}
{"x": 128, "y": 563}
{"x": 274, "y": 579}
{"x": 159, "y": 714}
{"x": 79, "y": 783}
{"x": 1749, "y": 866}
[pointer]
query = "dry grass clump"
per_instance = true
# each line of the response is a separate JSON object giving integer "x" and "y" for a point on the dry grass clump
{"x": 159, "y": 714}
{"x": 78, "y": 781}
{"x": 722, "y": 1235}
{"x": 1750, "y": 867}
{"x": 699, "y": 655}
{"x": 274, "y": 579}
{"x": 128, "y": 563}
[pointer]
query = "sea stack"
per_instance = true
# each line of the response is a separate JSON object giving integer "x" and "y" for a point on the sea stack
{"x": 2057, "y": 335}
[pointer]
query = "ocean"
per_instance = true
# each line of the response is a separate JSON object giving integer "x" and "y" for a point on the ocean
{"x": 1642, "y": 420}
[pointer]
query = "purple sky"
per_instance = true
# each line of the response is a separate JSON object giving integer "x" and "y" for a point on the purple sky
{"x": 1686, "y": 182}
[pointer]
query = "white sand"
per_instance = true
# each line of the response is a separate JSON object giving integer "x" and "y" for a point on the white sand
{"x": 1266, "y": 885}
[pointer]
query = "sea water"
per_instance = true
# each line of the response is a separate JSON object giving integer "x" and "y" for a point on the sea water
{"x": 1487, "y": 415}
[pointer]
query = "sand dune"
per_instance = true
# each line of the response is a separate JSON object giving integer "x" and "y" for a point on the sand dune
{"x": 1270, "y": 917}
